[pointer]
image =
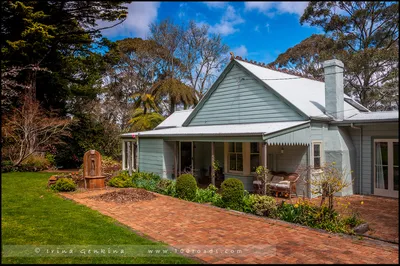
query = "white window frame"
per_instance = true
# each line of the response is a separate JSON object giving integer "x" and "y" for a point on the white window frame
{"x": 259, "y": 155}
{"x": 321, "y": 153}
{"x": 229, "y": 158}
{"x": 390, "y": 192}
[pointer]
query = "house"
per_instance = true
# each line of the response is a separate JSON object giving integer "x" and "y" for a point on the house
{"x": 256, "y": 115}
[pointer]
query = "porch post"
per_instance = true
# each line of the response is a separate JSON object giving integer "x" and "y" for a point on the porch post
{"x": 129, "y": 158}
{"x": 212, "y": 163}
{"x": 265, "y": 155}
{"x": 123, "y": 154}
{"x": 176, "y": 159}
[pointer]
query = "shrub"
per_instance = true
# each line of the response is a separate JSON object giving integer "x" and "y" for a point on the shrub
{"x": 186, "y": 187}
{"x": 51, "y": 158}
{"x": 7, "y": 166}
{"x": 248, "y": 202}
{"x": 34, "y": 163}
{"x": 264, "y": 205}
{"x": 166, "y": 187}
{"x": 145, "y": 180}
{"x": 317, "y": 217}
{"x": 64, "y": 185}
{"x": 121, "y": 180}
{"x": 232, "y": 193}
{"x": 206, "y": 195}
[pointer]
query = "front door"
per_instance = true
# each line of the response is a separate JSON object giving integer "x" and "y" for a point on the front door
{"x": 386, "y": 167}
{"x": 186, "y": 157}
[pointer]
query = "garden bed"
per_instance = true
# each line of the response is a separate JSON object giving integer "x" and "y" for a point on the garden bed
{"x": 126, "y": 195}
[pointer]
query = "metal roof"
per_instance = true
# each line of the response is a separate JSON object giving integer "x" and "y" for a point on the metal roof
{"x": 176, "y": 119}
{"x": 221, "y": 130}
{"x": 373, "y": 117}
{"x": 306, "y": 94}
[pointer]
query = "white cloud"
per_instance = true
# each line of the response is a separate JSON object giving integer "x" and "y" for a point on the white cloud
{"x": 272, "y": 8}
{"x": 257, "y": 28}
{"x": 228, "y": 22}
{"x": 240, "y": 51}
{"x": 140, "y": 15}
{"x": 215, "y": 4}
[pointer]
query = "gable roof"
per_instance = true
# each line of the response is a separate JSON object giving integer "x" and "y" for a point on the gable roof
{"x": 306, "y": 94}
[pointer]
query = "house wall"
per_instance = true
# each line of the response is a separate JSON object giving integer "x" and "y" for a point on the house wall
{"x": 151, "y": 156}
{"x": 337, "y": 147}
{"x": 370, "y": 132}
{"x": 245, "y": 102}
{"x": 168, "y": 159}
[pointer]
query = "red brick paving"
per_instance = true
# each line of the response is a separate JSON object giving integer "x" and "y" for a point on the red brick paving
{"x": 198, "y": 226}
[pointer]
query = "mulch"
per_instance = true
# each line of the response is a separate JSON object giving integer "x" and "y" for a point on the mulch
{"x": 126, "y": 195}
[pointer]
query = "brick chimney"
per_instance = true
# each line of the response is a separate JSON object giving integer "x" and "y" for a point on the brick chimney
{"x": 334, "y": 99}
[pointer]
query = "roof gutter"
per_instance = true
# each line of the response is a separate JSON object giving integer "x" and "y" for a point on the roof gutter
{"x": 198, "y": 135}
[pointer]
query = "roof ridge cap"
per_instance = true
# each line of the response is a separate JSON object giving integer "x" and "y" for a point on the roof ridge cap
{"x": 285, "y": 71}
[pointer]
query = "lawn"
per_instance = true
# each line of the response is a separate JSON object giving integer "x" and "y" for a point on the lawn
{"x": 34, "y": 215}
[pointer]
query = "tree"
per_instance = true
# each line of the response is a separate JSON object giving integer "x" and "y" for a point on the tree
{"x": 29, "y": 130}
{"x": 330, "y": 181}
{"x": 365, "y": 38}
{"x": 59, "y": 36}
{"x": 194, "y": 55}
{"x": 204, "y": 55}
{"x": 145, "y": 121}
{"x": 307, "y": 56}
{"x": 176, "y": 92}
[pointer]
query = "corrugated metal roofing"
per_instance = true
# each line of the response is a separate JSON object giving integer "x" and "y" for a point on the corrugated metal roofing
{"x": 374, "y": 116}
{"x": 306, "y": 94}
{"x": 222, "y": 130}
{"x": 176, "y": 119}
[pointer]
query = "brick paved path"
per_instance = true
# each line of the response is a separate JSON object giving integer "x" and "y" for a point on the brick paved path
{"x": 185, "y": 224}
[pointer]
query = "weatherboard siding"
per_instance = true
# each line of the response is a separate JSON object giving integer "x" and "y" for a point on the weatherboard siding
{"x": 370, "y": 132}
{"x": 151, "y": 156}
{"x": 240, "y": 103}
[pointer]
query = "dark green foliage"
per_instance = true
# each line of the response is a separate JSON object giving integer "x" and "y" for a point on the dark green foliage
{"x": 317, "y": 217}
{"x": 121, "y": 180}
{"x": 260, "y": 204}
{"x": 7, "y": 166}
{"x": 206, "y": 195}
{"x": 186, "y": 187}
{"x": 64, "y": 185}
{"x": 166, "y": 187}
{"x": 232, "y": 191}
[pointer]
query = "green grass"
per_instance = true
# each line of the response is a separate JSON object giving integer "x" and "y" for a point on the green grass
{"x": 34, "y": 215}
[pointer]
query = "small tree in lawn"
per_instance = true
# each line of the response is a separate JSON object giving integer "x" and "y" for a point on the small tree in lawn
{"x": 330, "y": 181}
{"x": 262, "y": 175}
{"x": 29, "y": 129}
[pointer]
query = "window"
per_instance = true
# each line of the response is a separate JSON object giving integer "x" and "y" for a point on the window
{"x": 317, "y": 154}
{"x": 235, "y": 156}
{"x": 254, "y": 156}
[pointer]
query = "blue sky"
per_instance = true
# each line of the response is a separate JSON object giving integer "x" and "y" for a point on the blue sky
{"x": 255, "y": 30}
